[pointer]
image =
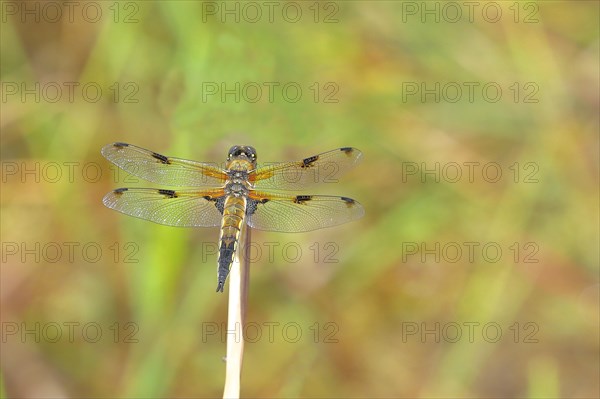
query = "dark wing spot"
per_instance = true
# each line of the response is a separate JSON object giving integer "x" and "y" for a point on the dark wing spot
{"x": 220, "y": 204}
{"x": 349, "y": 201}
{"x": 347, "y": 150}
{"x": 168, "y": 193}
{"x": 307, "y": 162}
{"x": 301, "y": 199}
{"x": 252, "y": 205}
{"x": 118, "y": 144}
{"x": 120, "y": 191}
{"x": 161, "y": 158}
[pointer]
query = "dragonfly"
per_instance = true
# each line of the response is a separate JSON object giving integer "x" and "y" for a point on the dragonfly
{"x": 233, "y": 194}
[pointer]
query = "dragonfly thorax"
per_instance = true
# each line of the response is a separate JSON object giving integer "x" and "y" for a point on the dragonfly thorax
{"x": 237, "y": 188}
{"x": 238, "y": 174}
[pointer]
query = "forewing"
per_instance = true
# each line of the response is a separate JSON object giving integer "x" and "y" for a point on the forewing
{"x": 298, "y": 213}
{"x": 157, "y": 168}
{"x": 184, "y": 208}
{"x": 323, "y": 168}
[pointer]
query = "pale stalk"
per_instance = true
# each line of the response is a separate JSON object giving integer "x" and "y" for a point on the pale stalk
{"x": 238, "y": 293}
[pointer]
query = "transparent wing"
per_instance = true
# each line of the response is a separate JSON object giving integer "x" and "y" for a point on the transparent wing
{"x": 323, "y": 168}
{"x": 157, "y": 168}
{"x": 184, "y": 208}
{"x": 297, "y": 213}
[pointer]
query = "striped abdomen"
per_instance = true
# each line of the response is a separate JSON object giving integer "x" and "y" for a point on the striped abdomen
{"x": 234, "y": 212}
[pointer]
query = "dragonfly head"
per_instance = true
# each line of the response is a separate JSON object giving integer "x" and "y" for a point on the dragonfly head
{"x": 244, "y": 152}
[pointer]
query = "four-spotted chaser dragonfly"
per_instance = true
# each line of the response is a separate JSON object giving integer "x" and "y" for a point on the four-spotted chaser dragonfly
{"x": 228, "y": 197}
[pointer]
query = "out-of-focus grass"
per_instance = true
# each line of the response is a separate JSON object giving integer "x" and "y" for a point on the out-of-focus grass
{"x": 352, "y": 314}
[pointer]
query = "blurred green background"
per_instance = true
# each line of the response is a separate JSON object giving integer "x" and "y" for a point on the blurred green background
{"x": 97, "y": 304}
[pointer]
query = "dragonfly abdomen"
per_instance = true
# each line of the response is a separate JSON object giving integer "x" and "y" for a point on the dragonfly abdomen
{"x": 233, "y": 217}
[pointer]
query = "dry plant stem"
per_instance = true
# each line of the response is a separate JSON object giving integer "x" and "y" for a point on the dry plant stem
{"x": 245, "y": 271}
{"x": 238, "y": 291}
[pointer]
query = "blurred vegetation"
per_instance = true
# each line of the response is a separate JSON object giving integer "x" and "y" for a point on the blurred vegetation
{"x": 165, "y": 56}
